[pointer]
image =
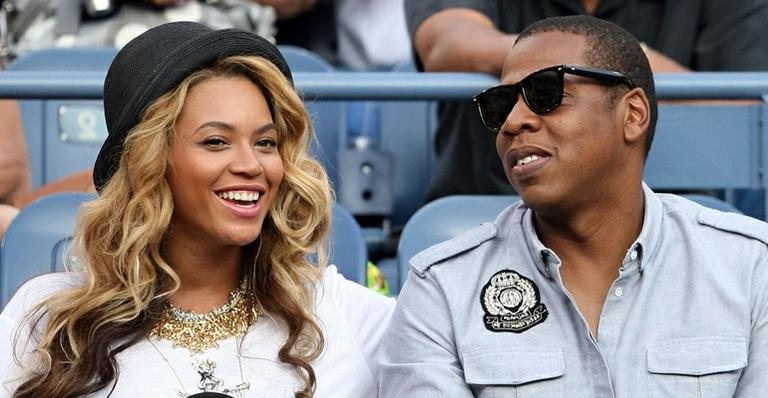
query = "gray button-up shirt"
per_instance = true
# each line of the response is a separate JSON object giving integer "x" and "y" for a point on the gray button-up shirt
{"x": 486, "y": 314}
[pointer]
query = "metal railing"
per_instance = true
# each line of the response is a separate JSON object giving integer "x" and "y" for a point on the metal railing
{"x": 390, "y": 85}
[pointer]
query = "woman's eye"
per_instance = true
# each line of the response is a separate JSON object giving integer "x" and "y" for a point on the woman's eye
{"x": 267, "y": 143}
{"x": 214, "y": 142}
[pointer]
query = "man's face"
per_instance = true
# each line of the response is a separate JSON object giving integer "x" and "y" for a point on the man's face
{"x": 572, "y": 155}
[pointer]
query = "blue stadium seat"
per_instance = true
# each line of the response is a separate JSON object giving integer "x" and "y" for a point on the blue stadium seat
{"x": 445, "y": 218}
{"x": 39, "y": 238}
{"x": 328, "y": 117}
{"x": 407, "y": 132}
{"x": 348, "y": 250}
{"x": 712, "y": 202}
{"x": 64, "y": 136}
{"x": 710, "y": 147}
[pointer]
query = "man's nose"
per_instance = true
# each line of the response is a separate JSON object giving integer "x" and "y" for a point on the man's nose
{"x": 521, "y": 119}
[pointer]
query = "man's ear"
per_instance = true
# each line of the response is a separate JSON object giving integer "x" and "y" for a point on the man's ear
{"x": 637, "y": 115}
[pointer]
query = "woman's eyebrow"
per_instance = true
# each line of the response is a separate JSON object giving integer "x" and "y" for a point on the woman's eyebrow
{"x": 229, "y": 127}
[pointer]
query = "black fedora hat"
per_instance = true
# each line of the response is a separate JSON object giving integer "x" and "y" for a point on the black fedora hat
{"x": 154, "y": 63}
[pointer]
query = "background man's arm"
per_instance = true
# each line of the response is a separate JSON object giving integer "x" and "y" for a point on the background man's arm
{"x": 288, "y": 8}
{"x": 14, "y": 164}
{"x": 661, "y": 63}
{"x": 461, "y": 40}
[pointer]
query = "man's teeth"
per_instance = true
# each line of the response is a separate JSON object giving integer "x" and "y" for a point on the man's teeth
{"x": 527, "y": 159}
{"x": 246, "y": 196}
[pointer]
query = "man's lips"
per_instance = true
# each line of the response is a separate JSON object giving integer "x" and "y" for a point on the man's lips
{"x": 529, "y": 165}
{"x": 525, "y": 161}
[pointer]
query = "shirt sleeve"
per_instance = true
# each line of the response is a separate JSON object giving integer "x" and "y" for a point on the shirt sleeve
{"x": 729, "y": 36}
{"x": 753, "y": 381}
{"x": 367, "y": 313}
{"x": 15, "y": 331}
{"x": 6, "y": 354}
{"x": 419, "y": 357}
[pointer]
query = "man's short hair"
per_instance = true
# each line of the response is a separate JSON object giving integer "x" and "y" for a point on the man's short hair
{"x": 608, "y": 47}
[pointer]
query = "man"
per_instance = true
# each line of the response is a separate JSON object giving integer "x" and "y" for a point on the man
{"x": 593, "y": 285}
{"x": 474, "y": 35}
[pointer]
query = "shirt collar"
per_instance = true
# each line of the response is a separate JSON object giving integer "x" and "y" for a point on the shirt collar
{"x": 543, "y": 257}
{"x": 650, "y": 234}
{"x": 646, "y": 242}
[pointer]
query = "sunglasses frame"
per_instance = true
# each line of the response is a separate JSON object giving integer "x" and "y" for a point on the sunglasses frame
{"x": 602, "y": 75}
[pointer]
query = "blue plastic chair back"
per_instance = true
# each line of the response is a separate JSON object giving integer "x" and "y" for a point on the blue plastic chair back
{"x": 407, "y": 131}
{"x": 446, "y": 218}
{"x": 713, "y": 203}
{"x": 328, "y": 117}
{"x": 63, "y": 136}
{"x": 39, "y": 240}
{"x": 348, "y": 250}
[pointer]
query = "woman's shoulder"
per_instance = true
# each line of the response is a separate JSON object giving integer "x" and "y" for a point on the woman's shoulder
{"x": 352, "y": 298}
{"x": 36, "y": 290}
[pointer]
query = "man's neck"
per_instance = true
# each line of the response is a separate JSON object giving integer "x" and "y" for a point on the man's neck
{"x": 599, "y": 234}
{"x": 591, "y": 244}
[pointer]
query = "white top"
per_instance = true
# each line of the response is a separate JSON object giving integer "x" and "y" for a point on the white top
{"x": 372, "y": 33}
{"x": 353, "y": 320}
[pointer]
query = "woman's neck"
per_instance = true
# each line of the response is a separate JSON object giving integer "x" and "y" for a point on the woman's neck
{"x": 207, "y": 274}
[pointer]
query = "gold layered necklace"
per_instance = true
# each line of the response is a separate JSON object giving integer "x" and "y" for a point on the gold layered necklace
{"x": 200, "y": 331}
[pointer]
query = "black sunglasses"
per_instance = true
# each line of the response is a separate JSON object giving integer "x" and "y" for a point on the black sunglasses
{"x": 542, "y": 92}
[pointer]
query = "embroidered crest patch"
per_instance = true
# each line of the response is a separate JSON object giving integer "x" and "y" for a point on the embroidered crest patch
{"x": 511, "y": 303}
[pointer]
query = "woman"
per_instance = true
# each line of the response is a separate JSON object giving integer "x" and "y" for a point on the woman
{"x": 196, "y": 280}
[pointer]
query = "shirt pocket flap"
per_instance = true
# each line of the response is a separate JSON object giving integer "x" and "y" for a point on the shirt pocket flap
{"x": 697, "y": 356}
{"x": 501, "y": 367}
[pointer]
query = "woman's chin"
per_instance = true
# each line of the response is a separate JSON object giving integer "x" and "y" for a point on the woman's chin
{"x": 241, "y": 238}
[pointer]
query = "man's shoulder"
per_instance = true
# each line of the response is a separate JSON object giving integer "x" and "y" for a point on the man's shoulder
{"x": 421, "y": 262}
{"x": 718, "y": 222}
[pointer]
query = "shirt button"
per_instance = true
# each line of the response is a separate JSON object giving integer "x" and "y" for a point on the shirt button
{"x": 633, "y": 255}
{"x": 619, "y": 292}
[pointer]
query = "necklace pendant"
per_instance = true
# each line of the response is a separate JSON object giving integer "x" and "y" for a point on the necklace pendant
{"x": 208, "y": 382}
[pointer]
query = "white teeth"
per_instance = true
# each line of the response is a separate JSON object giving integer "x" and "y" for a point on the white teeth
{"x": 245, "y": 196}
{"x": 527, "y": 159}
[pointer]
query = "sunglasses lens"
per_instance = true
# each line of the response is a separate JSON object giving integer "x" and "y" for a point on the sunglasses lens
{"x": 543, "y": 91}
{"x": 495, "y": 104}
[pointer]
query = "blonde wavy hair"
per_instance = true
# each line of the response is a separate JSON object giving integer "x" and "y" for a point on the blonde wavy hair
{"x": 119, "y": 238}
